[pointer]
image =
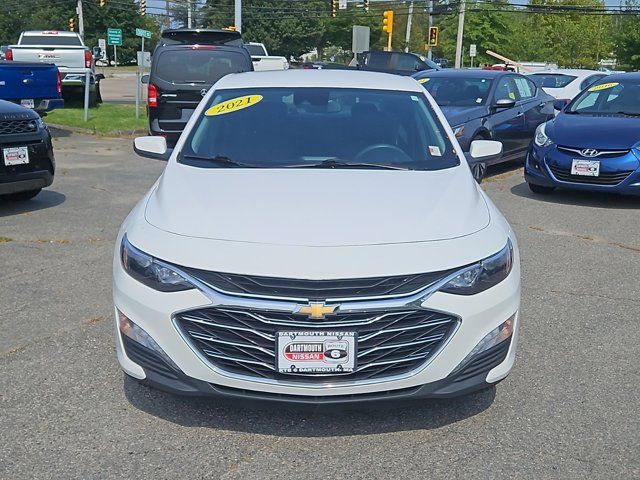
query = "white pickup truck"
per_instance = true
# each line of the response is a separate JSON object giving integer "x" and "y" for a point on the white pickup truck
{"x": 262, "y": 61}
{"x": 67, "y": 51}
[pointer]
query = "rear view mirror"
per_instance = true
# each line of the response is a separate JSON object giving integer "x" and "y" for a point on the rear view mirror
{"x": 504, "y": 103}
{"x": 152, "y": 147}
{"x": 145, "y": 78}
{"x": 485, "y": 150}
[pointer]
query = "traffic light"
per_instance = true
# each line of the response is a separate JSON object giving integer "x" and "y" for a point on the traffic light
{"x": 103, "y": 2}
{"x": 366, "y": 5}
{"x": 72, "y": 24}
{"x": 143, "y": 7}
{"x": 334, "y": 8}
{"x": 387, "y": 21}
{"x": 433, "y": 36}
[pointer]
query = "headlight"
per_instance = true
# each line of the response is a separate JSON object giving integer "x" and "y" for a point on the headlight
{"x": 482, "y": 275}
{"x": 457, "y": 131}
{"x": 540, "y": 138}
{"x": 150, "y": 271}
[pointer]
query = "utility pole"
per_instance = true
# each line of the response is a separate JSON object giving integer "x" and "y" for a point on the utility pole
{"x": 188, "y": 13}
{"x": 429, "y": 53}
{"x": 238, "y": 15}
{"x": 167, "y": 18}
{"x": 463, "y": 7}
{"x": 80, "y": 19}
{"x": 409, "y": 20}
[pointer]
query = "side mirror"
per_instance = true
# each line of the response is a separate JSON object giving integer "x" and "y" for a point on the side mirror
{"x": 504, "y": 103}
{"x": 99, "y": 76}
{"x": 559, "y": 104}
{"x": 152, "y": 147}
{"x": 145, "y": 79}
{"x": 485, "y": 150}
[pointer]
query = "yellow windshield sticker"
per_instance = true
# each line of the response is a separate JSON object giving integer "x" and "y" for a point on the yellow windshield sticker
{"x": 603, "y": 86}
{"x": 423, "y": 80}
{"x": 512, "y": 95}
{"x": 233, "y": 105}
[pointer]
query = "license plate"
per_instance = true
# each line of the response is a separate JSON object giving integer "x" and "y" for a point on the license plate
{"x": 15, "y": 156}
{"x": 326, "y": 352}
{"x": 586, "y": 168}
{"x": 27, "y": 103}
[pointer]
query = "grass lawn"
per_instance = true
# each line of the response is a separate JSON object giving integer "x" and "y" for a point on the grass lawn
{"x": 103, "y": 119}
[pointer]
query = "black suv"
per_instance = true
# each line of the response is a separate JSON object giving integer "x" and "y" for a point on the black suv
{"x": 26, "y": 153}
{"x": 399, "y": 63}
{"x": 186, "y": 63}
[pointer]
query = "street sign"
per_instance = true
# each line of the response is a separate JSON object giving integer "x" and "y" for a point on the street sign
{"x": 360, "y": 41}
{"x": 342, "y": 4}
{"x": 144, "y": 59}
{"x": 143, "y": 33}
{"x": 114, "y": 36}
{"x": 102, "y": 43}
{"x": 472, "y": 50}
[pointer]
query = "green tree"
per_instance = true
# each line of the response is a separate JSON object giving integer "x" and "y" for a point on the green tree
{"x": 627, "y": 38}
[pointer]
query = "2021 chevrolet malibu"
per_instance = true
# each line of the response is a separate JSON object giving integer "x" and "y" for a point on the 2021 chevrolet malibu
{"x": 316, "y": 236}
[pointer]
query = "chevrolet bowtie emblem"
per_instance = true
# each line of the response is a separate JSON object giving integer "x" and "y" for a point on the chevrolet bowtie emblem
{"x": 317, "y": 309}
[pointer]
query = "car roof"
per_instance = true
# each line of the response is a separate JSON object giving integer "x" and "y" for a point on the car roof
{"x": 61, "y": 33}
{"x": 319, "y": 78}
{"x": 578, "y": 72}
{"x": 623, "y": 76}
{"x": 463, "y": 72}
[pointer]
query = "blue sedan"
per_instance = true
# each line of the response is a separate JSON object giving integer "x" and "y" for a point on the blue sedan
{"x": 593, "y": 144}
{"x": 489, "y": 105}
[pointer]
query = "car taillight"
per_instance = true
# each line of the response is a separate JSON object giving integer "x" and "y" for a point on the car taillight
{"x": 59, "y": 84}
{"x": 87, "y": 59}
{"x": 9, "y": 55}
{"x": 152, "y": 95}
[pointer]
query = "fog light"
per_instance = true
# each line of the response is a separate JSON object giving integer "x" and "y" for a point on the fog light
{"x": 138, "y": 335}
{"x": 499, "y": 334}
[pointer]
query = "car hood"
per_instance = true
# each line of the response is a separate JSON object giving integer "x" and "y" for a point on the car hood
{"x": 11, "y": 111}
{"x": 603, "y": 132}
{"x": 457, "y": 115}
{"x": 311, "y": 207}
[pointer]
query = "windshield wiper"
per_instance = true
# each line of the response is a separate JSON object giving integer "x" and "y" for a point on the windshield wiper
{"x": 630, "y": 114}
{"x": 333, "y": 163}
{"x": 218, "y": 160}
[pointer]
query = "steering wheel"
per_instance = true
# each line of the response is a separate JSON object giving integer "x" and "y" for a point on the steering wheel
{"x": 379, "y": 146}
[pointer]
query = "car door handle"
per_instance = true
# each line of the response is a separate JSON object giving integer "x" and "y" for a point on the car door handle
{"x": 542, "y": 105}
{"x": 520, "y": 114}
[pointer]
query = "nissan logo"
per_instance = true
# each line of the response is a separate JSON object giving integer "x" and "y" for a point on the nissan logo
{"x": 589, "y": 152}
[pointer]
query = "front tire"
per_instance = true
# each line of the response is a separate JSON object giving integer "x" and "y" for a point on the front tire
{"x": 540, "y": 189}
{"x": 21, "y": 196}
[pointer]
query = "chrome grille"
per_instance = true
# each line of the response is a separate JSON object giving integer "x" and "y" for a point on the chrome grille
{"x": 603, "y": 179}
{"x": 12, "y": 127}
{"x": 369, "y": 287}
{"x": 598, "y": 153}
{"x": 242, "y": 341}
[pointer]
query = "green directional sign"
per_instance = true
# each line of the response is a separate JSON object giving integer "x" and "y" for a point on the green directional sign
{"x": 114, "y": 36}
{"x": 143, "y": 33}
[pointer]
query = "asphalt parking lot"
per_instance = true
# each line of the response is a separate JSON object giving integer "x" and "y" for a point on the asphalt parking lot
{"x": 570, "y": 408}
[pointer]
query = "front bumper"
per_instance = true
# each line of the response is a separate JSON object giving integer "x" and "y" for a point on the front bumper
{"x": 479, "y": 314}
{"x": 38, "y": 173}
{"x": 541, "y": 162}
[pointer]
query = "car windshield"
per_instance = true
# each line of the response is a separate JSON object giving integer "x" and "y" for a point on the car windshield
{"x": 552, "y": 80}
{"x": 50, "y": 39}
{"x": 319, "y": 128}
{"x": 198, "y": 65}
{"x": 457, "y": 91}
{"x": 610, "y": 97}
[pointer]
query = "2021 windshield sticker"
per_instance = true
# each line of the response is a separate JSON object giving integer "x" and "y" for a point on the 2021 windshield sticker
{"x": 604, "y": 86}
{"x": 233, "y": 105}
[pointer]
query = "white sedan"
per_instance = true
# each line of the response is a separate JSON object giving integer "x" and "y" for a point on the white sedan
{"x": 316, "y": 236}
{"x": 565, "y": 84}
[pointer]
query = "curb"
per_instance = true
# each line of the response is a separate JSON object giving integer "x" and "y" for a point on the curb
{"x": 64, "y": 130}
